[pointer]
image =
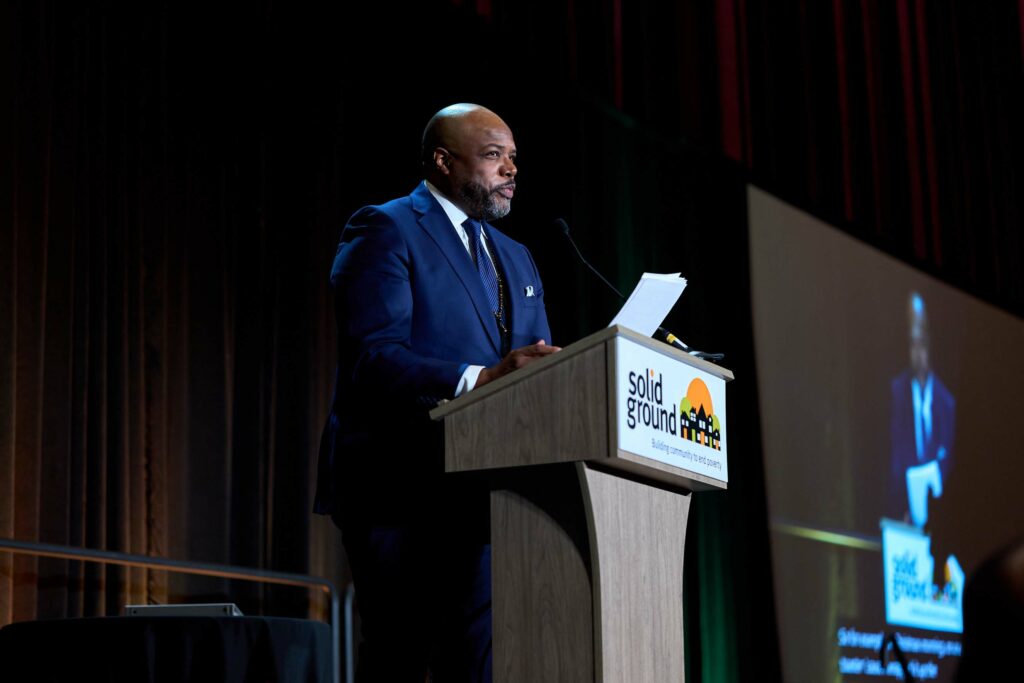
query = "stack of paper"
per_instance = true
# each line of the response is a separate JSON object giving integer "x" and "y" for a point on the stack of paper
{"x": 650, "y": 302}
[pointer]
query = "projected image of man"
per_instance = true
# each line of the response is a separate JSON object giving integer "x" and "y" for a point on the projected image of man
{"x": 920, "y": 592}
{"x": 922, "y": 427}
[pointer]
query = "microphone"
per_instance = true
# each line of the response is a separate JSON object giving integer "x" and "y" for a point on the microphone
{"x": 673, "y": 340}
{"x": 661, "y": 334}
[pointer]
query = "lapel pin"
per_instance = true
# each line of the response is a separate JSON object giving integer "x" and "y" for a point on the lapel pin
{"x": 529, "y": 290}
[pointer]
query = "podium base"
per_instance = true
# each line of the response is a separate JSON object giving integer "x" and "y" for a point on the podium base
{"x": 588, "y": 577}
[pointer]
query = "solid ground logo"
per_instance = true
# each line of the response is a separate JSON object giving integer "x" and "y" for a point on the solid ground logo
{"x": 697, "y": 419}
{"x": 663, "y": 412}
{"x": 644, "y": 404}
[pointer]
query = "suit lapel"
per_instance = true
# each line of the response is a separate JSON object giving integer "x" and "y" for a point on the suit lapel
{"x": 436, "y": 224}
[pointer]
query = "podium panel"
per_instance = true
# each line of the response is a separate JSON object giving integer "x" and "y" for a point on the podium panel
{"x": 593, "y": 453}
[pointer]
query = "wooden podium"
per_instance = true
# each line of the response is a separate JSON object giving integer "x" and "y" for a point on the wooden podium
{"x": 593, "y": 453}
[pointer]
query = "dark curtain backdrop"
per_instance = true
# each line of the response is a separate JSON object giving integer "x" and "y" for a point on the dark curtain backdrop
{"x": 174, "y": 176}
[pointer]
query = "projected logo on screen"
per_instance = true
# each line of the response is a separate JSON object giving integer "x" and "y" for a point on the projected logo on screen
{"x": 912, "y": 598}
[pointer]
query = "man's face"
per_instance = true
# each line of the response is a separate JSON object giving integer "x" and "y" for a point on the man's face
{"x": 481, "y": 166}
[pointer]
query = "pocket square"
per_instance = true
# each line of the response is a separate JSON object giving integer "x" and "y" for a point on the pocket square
{"x": 529, "y": 290}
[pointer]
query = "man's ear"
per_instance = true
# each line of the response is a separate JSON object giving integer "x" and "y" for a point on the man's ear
{"x": 442, "y": 160}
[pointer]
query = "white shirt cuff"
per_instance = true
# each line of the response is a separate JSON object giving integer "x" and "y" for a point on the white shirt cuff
{"x": 468, "y": 379}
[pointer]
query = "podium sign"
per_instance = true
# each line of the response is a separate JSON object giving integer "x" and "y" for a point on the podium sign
{"x": 911, "y": 596}
{"x": 669, "y": 411}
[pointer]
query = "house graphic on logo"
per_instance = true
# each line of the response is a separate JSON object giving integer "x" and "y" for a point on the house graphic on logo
{"x": 697, "y": 420}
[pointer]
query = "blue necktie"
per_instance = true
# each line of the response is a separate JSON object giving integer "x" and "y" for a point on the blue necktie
{"x": 483, "y": 262}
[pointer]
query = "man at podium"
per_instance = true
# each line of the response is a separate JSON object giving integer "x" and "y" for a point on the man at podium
{"x": 431, "y": 301}
{"x": 922, "y": 427}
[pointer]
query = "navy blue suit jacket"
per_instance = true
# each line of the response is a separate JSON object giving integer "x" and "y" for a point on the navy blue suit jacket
{"x": 411, "y": 314}
{"x": 904, "y": 441}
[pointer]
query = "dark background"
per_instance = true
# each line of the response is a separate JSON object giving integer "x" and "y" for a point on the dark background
{"x": 174, "y": 176}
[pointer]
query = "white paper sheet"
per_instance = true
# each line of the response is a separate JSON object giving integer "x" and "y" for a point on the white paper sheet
{"x": 920, "y": 480}
{"x": 649, "y": 304}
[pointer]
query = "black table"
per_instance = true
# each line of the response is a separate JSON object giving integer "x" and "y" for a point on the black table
{"x": 166, "y": 650}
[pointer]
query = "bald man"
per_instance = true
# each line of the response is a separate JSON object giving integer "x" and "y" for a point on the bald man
{"x": 431, "y": 302}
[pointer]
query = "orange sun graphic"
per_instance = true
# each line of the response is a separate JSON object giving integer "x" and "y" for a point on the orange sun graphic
{"x": 698, "y": 395}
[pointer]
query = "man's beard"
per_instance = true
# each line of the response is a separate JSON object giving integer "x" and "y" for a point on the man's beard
{"x": 484, "y": 203}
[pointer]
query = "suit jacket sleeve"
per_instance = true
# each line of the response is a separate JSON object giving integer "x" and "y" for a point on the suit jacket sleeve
{"x": 374, "y": 302}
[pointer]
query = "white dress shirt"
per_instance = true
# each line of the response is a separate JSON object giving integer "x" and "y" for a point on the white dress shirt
{"x": 922, "y": 414}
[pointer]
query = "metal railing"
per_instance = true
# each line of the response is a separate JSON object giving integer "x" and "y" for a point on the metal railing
{"x": 65, "y": 552}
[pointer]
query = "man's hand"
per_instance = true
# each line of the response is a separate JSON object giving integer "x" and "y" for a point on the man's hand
{"x": 516, "y": 358}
